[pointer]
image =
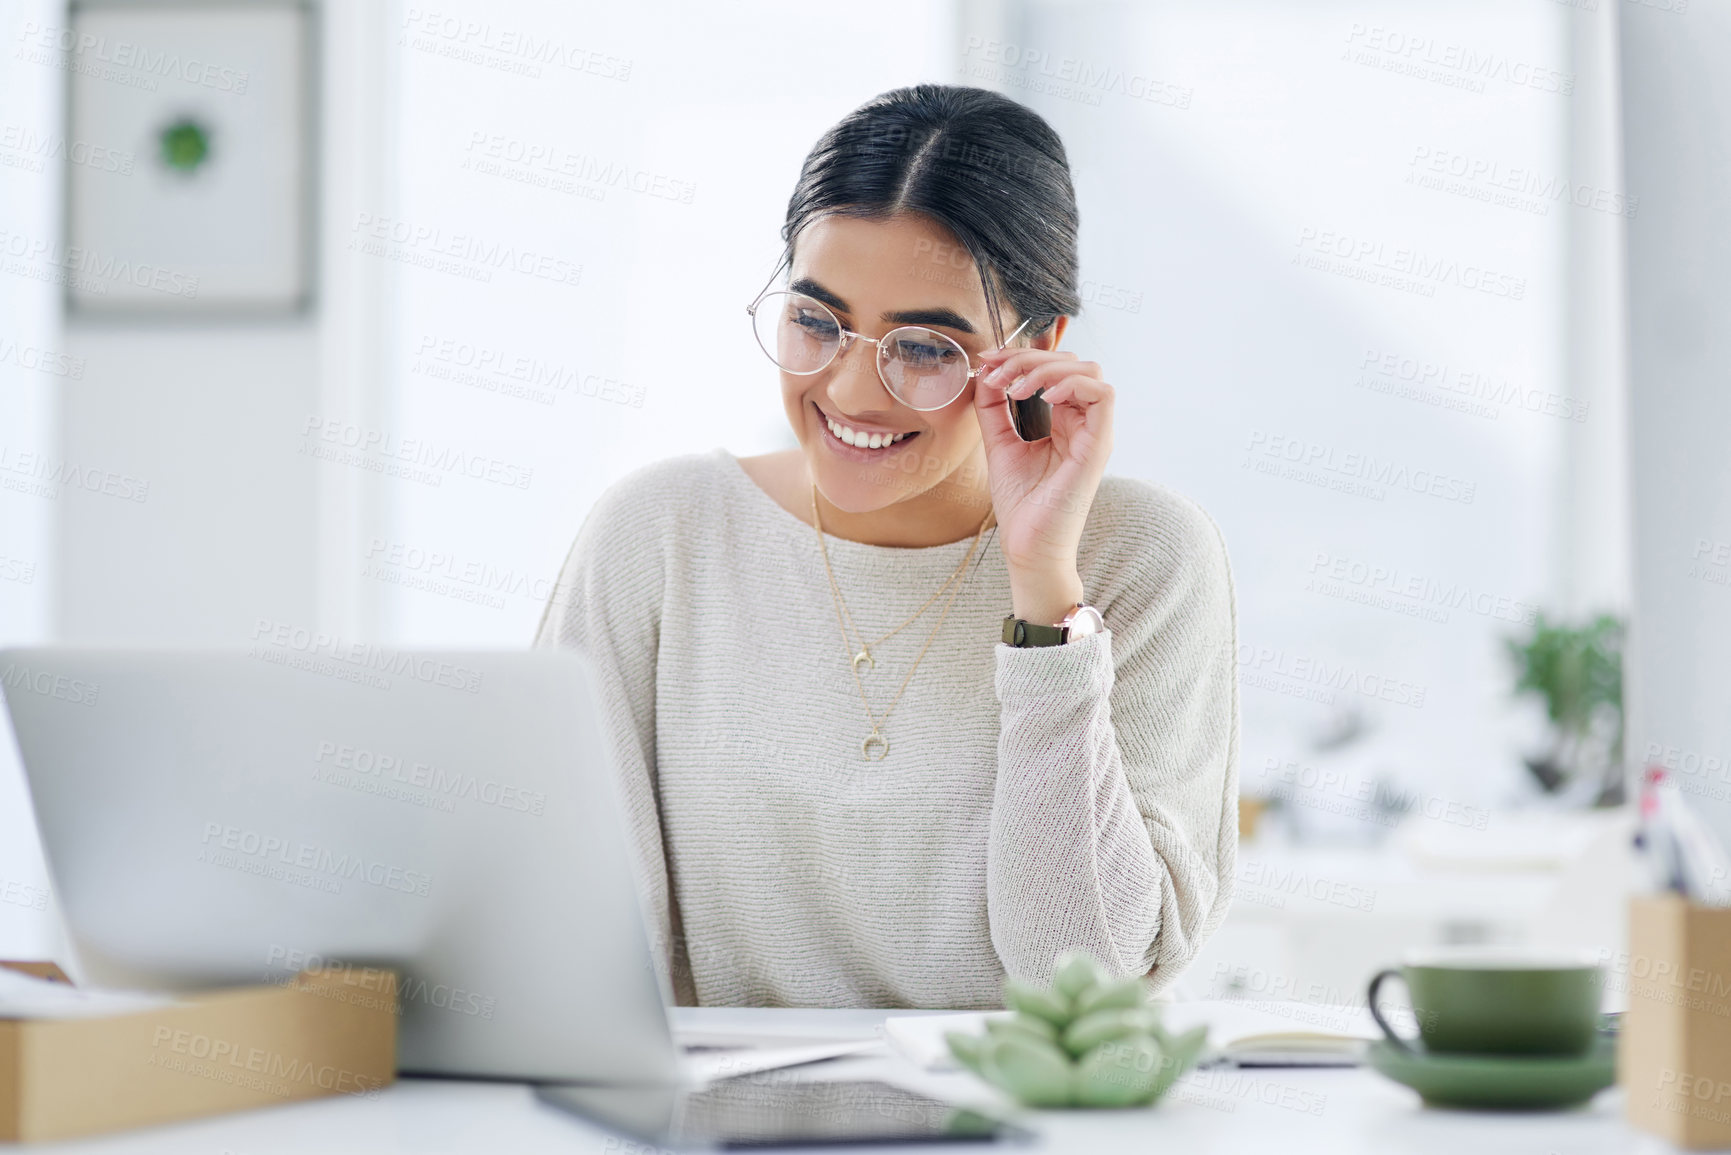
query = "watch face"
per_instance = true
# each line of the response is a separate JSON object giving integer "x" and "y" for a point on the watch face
{"x": 1085, "y": 620}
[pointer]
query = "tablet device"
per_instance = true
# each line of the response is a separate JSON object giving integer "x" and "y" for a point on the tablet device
{"x": 771, "y": 1110}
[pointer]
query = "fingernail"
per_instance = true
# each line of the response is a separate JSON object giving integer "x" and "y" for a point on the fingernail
{"x": 995, "y": 378}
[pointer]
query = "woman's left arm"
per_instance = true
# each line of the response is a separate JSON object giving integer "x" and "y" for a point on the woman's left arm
{"x": 1114, "y": 824}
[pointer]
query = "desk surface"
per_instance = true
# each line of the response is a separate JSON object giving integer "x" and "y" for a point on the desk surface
{"x": 1330, "y": 1112}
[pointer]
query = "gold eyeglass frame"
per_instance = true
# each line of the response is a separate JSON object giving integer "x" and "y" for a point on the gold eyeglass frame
{"x": 848, "y": 336}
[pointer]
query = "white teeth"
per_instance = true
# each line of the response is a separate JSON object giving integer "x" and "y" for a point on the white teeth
{"x": 864, "y": 440}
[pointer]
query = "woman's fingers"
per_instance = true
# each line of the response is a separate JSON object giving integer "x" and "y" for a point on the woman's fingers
{"x": 994, "y": 414}
{"x": 1079, "y": 389}
{"x": 1049, "y": 374}
{"x": 1013, "y": 363}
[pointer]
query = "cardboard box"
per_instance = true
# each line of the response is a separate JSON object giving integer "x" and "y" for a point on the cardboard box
{"x": 1674, "y": 1052}
{"x": 329, "y": 1032}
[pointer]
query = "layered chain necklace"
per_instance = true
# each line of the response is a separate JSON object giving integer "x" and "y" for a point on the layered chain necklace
{"x": 875, "y": 746}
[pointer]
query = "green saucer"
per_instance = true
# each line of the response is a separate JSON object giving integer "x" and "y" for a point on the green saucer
{"x": 1506, "y": 1082}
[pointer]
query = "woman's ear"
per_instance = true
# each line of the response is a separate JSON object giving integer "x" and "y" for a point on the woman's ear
{"x": 1051, "y": 337}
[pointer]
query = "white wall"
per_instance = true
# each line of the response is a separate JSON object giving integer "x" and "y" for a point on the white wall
{"x": 203, "y": 421}
{"x": 37, "y": 371}
{"x": 712, "y": 108}
{"x": 227, "y": 533}
{"x": 1677, "y": 133}
{"x": 212, "y": 414}
{"x": 1277, "y": 137}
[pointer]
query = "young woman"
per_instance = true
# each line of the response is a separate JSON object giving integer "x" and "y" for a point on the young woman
{"x": 918, "y": 703}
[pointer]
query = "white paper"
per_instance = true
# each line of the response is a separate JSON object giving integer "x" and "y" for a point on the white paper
{"x": 24, "y": 996}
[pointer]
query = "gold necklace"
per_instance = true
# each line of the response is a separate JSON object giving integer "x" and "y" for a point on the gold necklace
{"x": 876, "y": 740}
{"x": 864, "y": 653}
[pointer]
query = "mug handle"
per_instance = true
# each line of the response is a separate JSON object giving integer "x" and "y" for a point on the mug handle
{"x": 1370, "y": 997}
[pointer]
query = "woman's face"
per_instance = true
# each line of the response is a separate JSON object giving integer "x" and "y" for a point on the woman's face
{"x": 875, "y": 276}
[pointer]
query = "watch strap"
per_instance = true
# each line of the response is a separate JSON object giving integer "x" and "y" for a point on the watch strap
{"x": 1022, "y": 633}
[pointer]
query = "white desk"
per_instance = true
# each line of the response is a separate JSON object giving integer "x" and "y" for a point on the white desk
{"x": 1329, "y": 1112}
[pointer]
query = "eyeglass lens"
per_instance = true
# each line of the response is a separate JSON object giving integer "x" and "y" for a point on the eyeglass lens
{"x": 922, "y": 368}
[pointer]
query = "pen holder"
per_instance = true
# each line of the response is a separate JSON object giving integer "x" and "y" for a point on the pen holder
{"x": 1674, "y": 1050}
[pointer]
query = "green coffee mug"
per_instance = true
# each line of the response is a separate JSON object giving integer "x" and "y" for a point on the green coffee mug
{"x": 1497, "y": 1002}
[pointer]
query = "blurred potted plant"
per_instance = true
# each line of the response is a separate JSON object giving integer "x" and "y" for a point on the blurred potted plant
{"x": 1578, "y": 671}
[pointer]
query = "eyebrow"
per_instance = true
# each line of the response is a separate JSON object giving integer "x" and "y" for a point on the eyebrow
{"x": 948, "y": 318}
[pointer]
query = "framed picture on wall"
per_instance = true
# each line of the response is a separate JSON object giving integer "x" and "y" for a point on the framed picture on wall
{"x": 189, "y": 162}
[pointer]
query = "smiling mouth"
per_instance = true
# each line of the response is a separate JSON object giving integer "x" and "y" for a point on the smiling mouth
{"x": 860, "y": 439}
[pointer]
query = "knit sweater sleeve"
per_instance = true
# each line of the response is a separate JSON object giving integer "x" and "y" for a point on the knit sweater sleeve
{"x": 607, "y": 604}
{"x": 1114, "y": 815}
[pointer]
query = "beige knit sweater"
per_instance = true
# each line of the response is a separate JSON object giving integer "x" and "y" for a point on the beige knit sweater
{"x": 1033, "y": 800}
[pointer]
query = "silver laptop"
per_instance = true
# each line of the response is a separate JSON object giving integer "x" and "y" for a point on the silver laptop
{"x": 223, "y": 818}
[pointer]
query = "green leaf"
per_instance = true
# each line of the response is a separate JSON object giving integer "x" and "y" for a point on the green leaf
{"x": 1030, "y": 1027}
{"x": 184, "y": 145}
{"x": 1121, "y": 1073}
{"x": 970, "y": 1124}
{"x": 1177, "y": 1059}
{"x": 1075, "y": 972}
{"x": 1188, "y": 1048}
{"x": 1097, "y": 1027}
{"x": 1043, "y": 1004}
{"x": 1124, "y": 994}
{"x": 1575, "y": 668}
{"x": 1038, "y": 1076}
{"x": 966, "y": 1049}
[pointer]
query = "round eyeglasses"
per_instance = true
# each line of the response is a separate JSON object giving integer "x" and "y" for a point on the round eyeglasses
{"x": 922, "y": 368}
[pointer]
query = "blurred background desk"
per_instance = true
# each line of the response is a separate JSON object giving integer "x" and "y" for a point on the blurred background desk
{"x": 1315, "y": 915}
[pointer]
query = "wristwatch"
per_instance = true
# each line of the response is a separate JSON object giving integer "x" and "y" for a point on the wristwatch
{"x": 1078, "y": 623}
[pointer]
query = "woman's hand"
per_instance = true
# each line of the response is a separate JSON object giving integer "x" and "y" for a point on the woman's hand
{"x": 1041, "y": 490}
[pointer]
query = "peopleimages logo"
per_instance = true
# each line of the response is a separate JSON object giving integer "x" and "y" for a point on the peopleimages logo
{"x": 1400, "y": 266}
{"x": 422, "y": 244}
{"x": 86, "y": 48}
{"x": 442, "y": 783}
{"x": 1390, "y": 587}
{"x": 410, "y": 988}
{"x": 1286, "y": 880}
{"x": 361, "y": 656}
{"x": 1268, "y": 668}
{"x": 284, "y": 854}
{"x": 503, "y": 47}
{"x": 1492, "y": 176}
{"x": 23, "y": 147}
{"x": 89, "y": 270}
{"x": 496, "y": 370}
{"x": 554, "y": 161}
{"x": 23, "y": 894}
{"x": 1069, "y": 77}
{"x": 40, "y": 360}
{"x": 40, "y": 475}
{"x": 348, "y": 443}
{"x": 1363, "y": 469}
{"x": 1426, "y": 58}
{"x": 239, "y": 1064}
{"x": 1468, "y": 385}
{"x": 75, "y": 691}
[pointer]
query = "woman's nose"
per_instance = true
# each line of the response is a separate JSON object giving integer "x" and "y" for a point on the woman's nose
{"x": 855, "y": 386}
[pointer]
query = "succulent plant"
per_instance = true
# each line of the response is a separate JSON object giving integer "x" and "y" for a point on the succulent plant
{"x": 1085, "y": 1041}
